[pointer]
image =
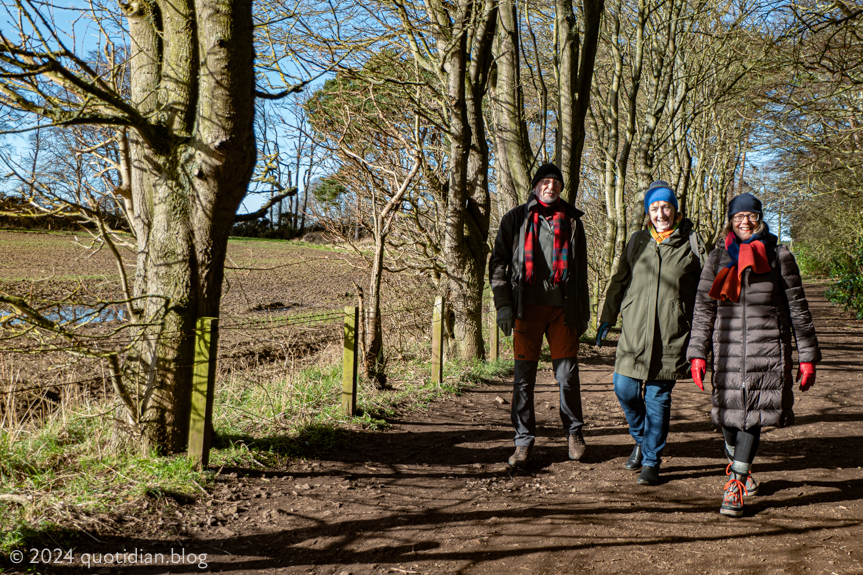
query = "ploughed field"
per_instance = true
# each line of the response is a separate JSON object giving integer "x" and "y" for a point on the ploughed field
{"x": 278, "y": 298}
{"x": 432, "y": 494}
{"x": 260, "y": 273}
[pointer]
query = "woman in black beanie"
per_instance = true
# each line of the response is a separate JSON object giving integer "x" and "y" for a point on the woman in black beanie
{"x": 749, "y": 303}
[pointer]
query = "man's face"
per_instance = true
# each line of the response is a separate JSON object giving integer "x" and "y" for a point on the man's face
{"x": 548, "y": 190}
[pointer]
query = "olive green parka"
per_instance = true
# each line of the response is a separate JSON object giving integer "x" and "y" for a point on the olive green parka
{"x": 655, "y": 295}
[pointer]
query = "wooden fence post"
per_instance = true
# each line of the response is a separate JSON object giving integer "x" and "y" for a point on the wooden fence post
{"x": 494, "y": 352}
{"x": 349, "y": 361}
{"x": 203, "y": 390}
{"x": 437, "y": 342}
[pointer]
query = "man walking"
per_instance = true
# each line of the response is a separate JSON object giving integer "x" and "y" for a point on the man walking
{"x": 538, "y": 273}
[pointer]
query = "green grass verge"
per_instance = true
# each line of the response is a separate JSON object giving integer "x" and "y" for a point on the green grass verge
{"x": 73, "y": 464}
{"x": 261, "y": 424}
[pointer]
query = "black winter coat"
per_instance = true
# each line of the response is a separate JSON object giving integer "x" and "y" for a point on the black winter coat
{"x": 506, "y": 267}
{"x": 751, "y": 339}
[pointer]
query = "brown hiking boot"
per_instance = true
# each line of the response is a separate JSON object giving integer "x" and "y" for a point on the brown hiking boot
{"x": 521, "y": 455}
{"x": 576, "y": 445}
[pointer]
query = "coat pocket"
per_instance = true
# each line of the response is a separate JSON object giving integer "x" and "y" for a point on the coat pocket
{"x": 675, "y": 328}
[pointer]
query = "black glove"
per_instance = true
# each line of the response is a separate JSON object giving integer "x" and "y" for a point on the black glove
{"x": 504, "y": 320}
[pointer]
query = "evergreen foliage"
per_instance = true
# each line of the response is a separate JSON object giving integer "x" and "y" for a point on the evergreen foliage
{"x": 848, "y": 289}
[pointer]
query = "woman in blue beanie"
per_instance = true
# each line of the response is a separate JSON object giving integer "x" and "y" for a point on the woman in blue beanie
{"x": 654, "y": 292}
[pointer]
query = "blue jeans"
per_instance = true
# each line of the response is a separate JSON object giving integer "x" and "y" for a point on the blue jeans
{"x": 647, "y": 406}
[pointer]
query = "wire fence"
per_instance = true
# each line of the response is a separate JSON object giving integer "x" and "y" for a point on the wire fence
{"x": 130, "y": 386}
{"x": 280, "y": 308}
{"x": 27, "y": 339}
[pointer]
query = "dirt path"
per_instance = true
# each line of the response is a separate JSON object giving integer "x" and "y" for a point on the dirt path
{"x": 434, "y": 496}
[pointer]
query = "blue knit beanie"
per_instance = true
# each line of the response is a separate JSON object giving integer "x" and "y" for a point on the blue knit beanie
{"x": 744, "y": 203}
{"x": 659, "y": 191}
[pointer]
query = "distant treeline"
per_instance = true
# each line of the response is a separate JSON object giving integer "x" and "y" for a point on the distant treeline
{"x": 17, "y": 213}
{"x": 263, "y": 228}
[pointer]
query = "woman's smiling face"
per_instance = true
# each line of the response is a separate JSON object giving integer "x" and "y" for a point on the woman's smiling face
{"x": 744, "y": 224}
{"x": 662, "y": 215}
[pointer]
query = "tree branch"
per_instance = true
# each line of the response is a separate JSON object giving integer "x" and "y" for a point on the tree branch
{"x": 292, "y": 191}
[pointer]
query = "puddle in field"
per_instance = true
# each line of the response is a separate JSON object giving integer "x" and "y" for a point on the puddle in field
{"x": 276, "y": 306}
{"x": 76, "y": 314}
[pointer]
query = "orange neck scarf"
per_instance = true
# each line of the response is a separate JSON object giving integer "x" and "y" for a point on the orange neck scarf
{"x": 662, "y": 236}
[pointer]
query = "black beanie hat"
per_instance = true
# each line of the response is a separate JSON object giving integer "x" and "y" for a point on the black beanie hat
{"x": 548, "y": 170}
{"x": 744, "y": 203}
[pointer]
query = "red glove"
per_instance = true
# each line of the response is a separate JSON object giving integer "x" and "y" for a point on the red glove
{"x": 699, "y": 368}
{"x": 806, "y": 370}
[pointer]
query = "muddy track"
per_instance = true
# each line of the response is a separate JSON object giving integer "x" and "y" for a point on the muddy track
{"x": 432, "y": 494}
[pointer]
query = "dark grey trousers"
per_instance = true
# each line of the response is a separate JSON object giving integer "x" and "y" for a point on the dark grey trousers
{"x": 523, "y": 412}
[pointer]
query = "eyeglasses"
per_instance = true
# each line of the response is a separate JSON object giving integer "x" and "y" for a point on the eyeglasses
{"x": 737, "y": 218}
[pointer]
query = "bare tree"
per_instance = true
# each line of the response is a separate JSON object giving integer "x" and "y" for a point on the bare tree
{"x": 814, "y": 129}
{"x": 673, "y": 100}
{"x": 186, "y": 152}
{"x": 574, "y": 45}
{"x": 380, "y": 146}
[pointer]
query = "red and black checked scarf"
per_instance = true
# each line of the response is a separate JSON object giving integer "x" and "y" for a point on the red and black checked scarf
{"x": 532, "y": 249}
{"x": 750, "y": 253}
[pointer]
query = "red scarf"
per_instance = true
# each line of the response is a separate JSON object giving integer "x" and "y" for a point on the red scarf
{"x": 560, "y": 224}
{"x": 752, "y": 254}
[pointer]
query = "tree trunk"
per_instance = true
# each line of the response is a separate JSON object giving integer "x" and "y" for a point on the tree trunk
{"x": 467, "y": 210}
{"x": 461, "y": 273}
{"x": 609, "y": 131}
{"x": 576, "y": 74}
{"x": 659, "y": 87}
{"x": 382, "y": 223}
{"x": 374, "y": 333}
{"x": 512, "y": 146}
{"x": 194, "y": 73}
{"x": 305, "y": 208}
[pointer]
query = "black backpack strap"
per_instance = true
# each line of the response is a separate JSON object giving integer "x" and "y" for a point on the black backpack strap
{"x": 630, "y": 248}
